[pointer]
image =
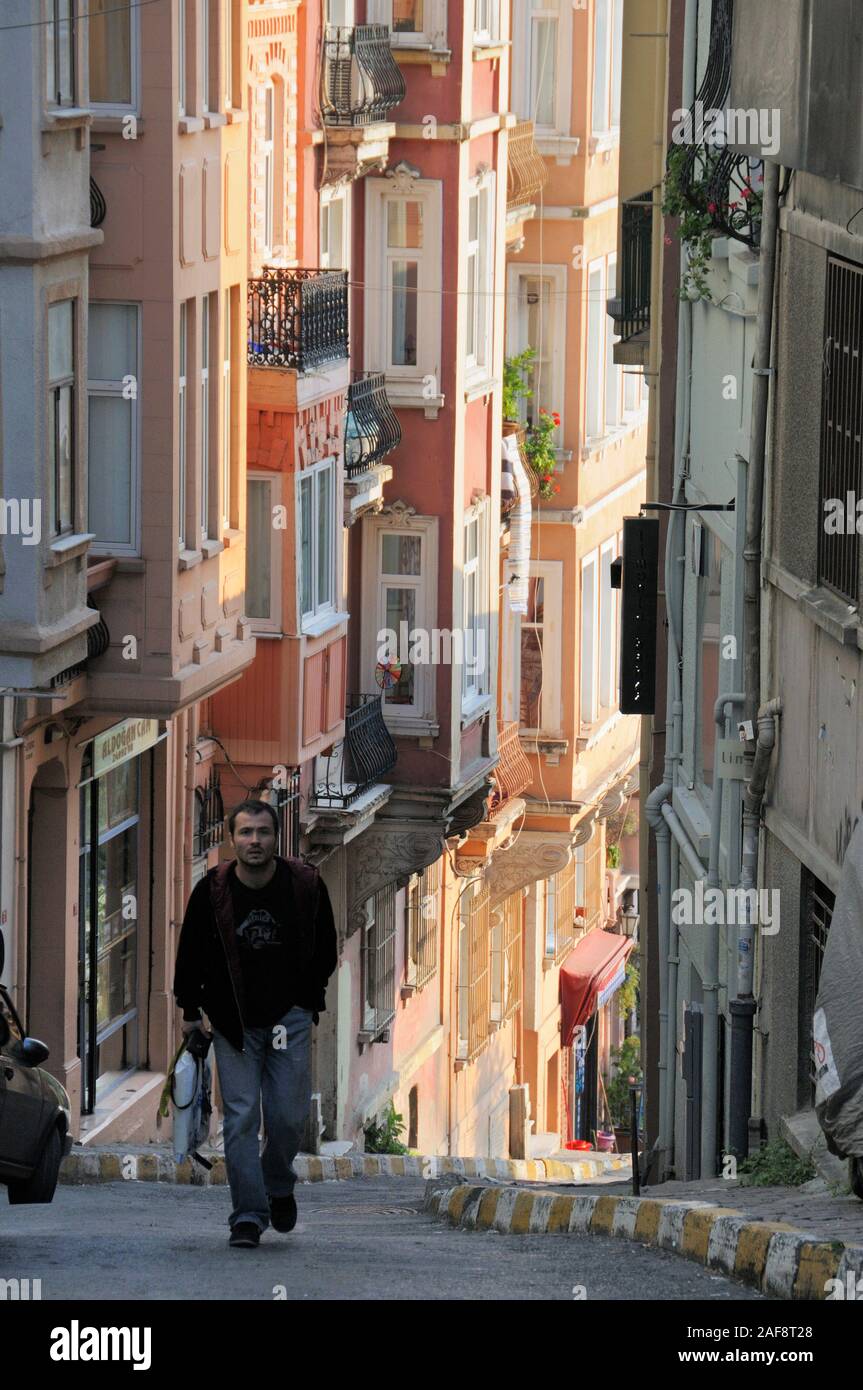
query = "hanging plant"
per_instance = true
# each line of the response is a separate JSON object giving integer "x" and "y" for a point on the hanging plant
{"x": 690, "y": 195}
{"x": 539, "y": 449}
{"x": 515, "y": 375}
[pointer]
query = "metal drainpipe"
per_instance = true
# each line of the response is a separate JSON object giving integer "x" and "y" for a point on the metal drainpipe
{"x": 710, "y": 1056}
{"x": 742, "y": 1008}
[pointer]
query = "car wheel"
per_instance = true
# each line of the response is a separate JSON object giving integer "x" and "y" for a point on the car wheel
{"x": 855, "y": 1176}
{"x": 40, "y": 1187}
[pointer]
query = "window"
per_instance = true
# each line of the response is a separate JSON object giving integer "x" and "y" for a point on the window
{"x": 60, "y": 53}
{"x": 228, "y": 51}
{"x": 486, "y": 19}
{"x": 205, "y": 54}
{"x": 378, "y": 963}
{"x": 335, "y": 229}
{"x": 403, "y": 272}
{"x": 711, "y": 620}
{"x": 473, "y": 1010}
{"x": 114, "y": 390}
{"x": 613, "y": 371}
{"x": 113, "y": 31}
{"x": 316, "y": 511}
{"x": 205, "y": 416}
{"x": 231, "y": 298}
{"x": 400, "y": 599}
{"x": 596, "y": 315}
{"x": 549, "y": 948}
{"x": 476, "y": 618}
{"x": 560, "y": 905}
{"x": 534, "y": 653}
{"x": 539, "y": 322}
{"x": 269, "y": 165}
{"x": 182, "y": 428}
{"x": 62, "y": 423}
{"x": 505, "y": 950}
{"x": 607, "y": 628}
{"x": 422, "y": 905}
{"x": 588, "y": 640}
{"x": 542, "y": 64}
{"x": 841, "y": 462}
{"x": 478, "y": 315}
{"x": 181, "y": 57}
{"x": 607, "y": 64}
{"x": 414, "y": 23}
{"x": 263, "y": 553}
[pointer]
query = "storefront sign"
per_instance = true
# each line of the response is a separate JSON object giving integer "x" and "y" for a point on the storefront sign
{"x": 121, "y": 742}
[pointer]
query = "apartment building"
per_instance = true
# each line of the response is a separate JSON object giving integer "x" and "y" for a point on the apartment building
{"x": 123, "y": 266}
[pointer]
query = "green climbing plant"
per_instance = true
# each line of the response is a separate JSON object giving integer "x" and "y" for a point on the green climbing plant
{"x": 384, "y": 1138}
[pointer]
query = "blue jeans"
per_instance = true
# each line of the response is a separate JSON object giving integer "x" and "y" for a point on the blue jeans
{"x": 275, "y": 1067}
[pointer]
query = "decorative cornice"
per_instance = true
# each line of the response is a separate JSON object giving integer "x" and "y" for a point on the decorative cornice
{"x": 533, "y": 855}
{"x": 384, "y": 854}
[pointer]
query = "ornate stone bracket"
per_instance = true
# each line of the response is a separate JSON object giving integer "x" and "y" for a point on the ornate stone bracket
{"x": 385, "y": 854}
{"x": 533, "y": 856}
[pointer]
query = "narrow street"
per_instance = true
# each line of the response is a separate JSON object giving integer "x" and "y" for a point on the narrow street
{"x": 354, "y": 1240}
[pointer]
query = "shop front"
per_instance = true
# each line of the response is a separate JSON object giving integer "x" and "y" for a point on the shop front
{"x": 590, "y": 977}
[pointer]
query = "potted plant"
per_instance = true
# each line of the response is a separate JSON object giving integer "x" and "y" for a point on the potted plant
{"x": 612, "y": 856}
{"x": 626, "y": 1061}
{"x": 539, "y": 448}
{"x": 515, "y": 377}
{"x": 689, "y": 195}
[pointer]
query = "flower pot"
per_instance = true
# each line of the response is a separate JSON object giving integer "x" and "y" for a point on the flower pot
{"x": 512, "y": 427}
{"x": 605, "y": 1140}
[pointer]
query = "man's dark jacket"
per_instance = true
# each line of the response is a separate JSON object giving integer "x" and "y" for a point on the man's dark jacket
{"x": 207, "y": 973}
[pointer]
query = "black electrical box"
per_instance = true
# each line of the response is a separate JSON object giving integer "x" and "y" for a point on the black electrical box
{"x": 638, "y": 615}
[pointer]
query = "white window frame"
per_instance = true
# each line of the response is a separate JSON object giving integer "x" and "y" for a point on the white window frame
{"x": 479, "y": 307}
{"x": 319, "y": 614}
{"x": 51, "y": 30}
{"x": 183, "y": 421}
{"x": 204, "y": 52}
{"x": 601, "y": 82}
{"x": 594, "y": 367}
{"x": 267, "y": 152}
{"x": 588, "y": 626}
{"x": 522, "y": 55}
{"x": 419, "y": 716}
{"x": 115, "y": 388}
{"x": 182, "y": 92}
{"x": 274, "y": 622}
{"x": 204, "y": 461}
{"x": 228, "y": 51}
{"x": 475, "y": 686}
{"x": 432, "y": 35}
{"x": 227, "y": 408}
{"x": 110, "y": 108}
{"x": 551, "y": 712}
{"x": 329, "y": 196}
{"x": 613, "y": 370}
{"x": 486, "y": 21}
{"x": 406, "y": 385}
{"x": 607, "y": 627}
{"x": 552, "y": 395}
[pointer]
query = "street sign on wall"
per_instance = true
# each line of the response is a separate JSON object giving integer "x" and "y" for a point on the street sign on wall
{"x": 638, "y": 615}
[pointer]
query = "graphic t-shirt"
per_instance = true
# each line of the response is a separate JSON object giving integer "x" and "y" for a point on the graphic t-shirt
{"x": 260, "y": 925}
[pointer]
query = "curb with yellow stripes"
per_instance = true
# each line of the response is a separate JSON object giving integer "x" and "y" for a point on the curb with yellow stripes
{"x": 776, "y": 1258}
{"x": 85, "y": 1167}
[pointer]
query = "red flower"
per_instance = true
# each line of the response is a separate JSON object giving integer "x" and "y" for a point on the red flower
{"x": 555, "y": 417}
{"x": 668, "y": 241}
{"x": 747, "y": 193}
{"x": 542, "y": 410}
{"x": 557, "y": 487}
{"x": 711, "y": 207}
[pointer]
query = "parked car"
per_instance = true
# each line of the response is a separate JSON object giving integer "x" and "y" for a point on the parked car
{"x": 35, "y": 1115}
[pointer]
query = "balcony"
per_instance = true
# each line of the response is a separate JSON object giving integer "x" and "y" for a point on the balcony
{"x": 372, "y": 432}
{"x": 631, "y": 308}
{"x": 297, "y": 318}
{"x": 526, "y": 176}
{"x": 363, "y": 757}
{"x": 361, "y": 84}
{"x": 98, "y": 206}
{"x": 513, "y": 773}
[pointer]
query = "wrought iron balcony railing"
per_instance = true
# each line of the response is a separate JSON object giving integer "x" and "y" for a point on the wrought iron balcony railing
{"x": 98, "y": 206}
{"x": 526, "y": 174}
{"x": 373, "y": 429}
{"x": 363, "y": 757}
{"x": 297, "y": 318}
{"x": 513, "y": 773}
{"x": 716, "y": 182}
{"x": 98, "y": 642}
{"x": 361, "y": 81}
{"x": 630, "y": 309}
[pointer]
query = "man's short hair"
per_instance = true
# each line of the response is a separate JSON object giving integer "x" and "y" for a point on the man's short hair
{"x": 254, "y": 808}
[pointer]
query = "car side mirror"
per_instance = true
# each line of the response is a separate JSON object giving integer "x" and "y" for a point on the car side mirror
{"x": 32, "y": 1052}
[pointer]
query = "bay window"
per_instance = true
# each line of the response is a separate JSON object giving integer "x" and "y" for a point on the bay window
{"x": 60, "y": 51}
{"x": 316, "y": 521}
{"x": 113, "y": 389}
{"x": 533, "y": 651}
{"x": 479, "y": 259}
{"x": 542, "y": 65}
{"x": 399, "y": 612}
{"x": 539, "y": 322}
{"x": 475, "y": 617}
{"x": 62, "y": 421}
{"x": 403, "y": 272}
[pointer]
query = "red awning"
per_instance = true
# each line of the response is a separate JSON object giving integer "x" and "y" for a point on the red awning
{"x": 591, "y": 973}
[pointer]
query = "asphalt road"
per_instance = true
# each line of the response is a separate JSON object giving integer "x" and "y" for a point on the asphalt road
{"x": 368, "y": 1238}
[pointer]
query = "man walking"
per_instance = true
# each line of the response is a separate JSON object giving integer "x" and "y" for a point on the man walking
{"x": 256, "y": 949}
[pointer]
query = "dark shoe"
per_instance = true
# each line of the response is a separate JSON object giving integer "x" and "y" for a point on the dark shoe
{"x": 245, "y": 1235}
{"x": 283, "y": 1213}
